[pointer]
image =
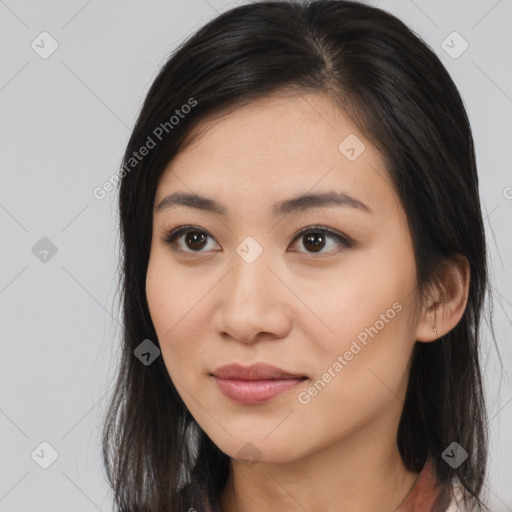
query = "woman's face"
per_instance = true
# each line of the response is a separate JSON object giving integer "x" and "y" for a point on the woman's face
{"x": 242, "y": 286}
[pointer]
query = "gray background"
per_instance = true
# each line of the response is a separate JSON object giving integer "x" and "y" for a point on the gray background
{"x": 65, "y": 121}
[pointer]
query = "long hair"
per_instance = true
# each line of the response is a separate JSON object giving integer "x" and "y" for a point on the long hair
{"x": 397, "y": 92}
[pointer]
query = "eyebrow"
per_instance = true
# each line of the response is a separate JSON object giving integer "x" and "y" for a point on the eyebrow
{"x": 294, "y": 204}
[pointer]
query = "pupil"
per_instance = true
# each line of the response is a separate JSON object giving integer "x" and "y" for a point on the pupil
{"x": 310, "y": 239}
{"x": 194, "y": 238}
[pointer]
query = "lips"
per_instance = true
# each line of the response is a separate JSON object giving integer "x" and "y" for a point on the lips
{"x": 254, "y": 384}
{"x": 258, "y": 371}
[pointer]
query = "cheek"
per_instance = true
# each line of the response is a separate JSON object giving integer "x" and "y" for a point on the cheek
{"x": 361, "y": 372}
{"x": 364, "y": 299}
{"x": 174, "y": 306}
{"x": 370, "y": 351}
{"x": 369, "y": 342}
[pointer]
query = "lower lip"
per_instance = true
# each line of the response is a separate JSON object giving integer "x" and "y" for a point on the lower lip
{"x": 254, "y": 391}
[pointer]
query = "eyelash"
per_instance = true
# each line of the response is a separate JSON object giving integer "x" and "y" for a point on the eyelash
{"x": 169, "y": 238}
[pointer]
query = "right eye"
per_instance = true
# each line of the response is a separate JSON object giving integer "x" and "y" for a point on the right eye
{"x": 194, "y": 238}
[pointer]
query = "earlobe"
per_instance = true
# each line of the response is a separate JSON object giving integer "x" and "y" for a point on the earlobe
{"x": 446, "y": 308}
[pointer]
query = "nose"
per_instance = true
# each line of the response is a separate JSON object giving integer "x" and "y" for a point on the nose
{"x": 253, "y": 303}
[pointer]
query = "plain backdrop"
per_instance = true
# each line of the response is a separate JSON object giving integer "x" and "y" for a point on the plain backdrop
{"x": 65, "y": 119}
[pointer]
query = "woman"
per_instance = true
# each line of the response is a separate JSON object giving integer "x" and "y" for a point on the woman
{"x": 303, "y": 274}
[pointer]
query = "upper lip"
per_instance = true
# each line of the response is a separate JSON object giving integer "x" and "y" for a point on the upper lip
{"x": 257, "y": 371}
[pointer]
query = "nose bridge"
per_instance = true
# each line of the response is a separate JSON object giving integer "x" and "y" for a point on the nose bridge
{"x": 249, "y": 282}
{"x": 250, "y": 301}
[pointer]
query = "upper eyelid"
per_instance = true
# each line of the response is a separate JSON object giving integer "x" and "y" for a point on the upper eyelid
{"x": 191, "y": 228}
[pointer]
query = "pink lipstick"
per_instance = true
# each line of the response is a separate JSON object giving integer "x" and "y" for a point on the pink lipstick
{"x": 256, "y": 383}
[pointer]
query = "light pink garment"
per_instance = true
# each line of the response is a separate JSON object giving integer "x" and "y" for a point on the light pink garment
{"x": 427, "y": 495}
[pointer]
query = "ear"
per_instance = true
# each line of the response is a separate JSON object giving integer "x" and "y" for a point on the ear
{"x": 448, "y": 302}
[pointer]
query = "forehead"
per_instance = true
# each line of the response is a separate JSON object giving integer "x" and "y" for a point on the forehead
{"x": 275, "y": 147}
{"x": 275, "y": 128}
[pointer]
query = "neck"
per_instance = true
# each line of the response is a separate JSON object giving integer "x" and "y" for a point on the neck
{"x": 357, "y": 473}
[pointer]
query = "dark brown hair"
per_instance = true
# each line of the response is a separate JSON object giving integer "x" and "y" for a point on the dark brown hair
{"x": 397, "y": 92}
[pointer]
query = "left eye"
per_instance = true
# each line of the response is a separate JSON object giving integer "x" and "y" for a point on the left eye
{"x": 314, "y": 237}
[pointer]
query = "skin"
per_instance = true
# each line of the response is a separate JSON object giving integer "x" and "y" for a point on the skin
{"x": 294, "y": 308}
